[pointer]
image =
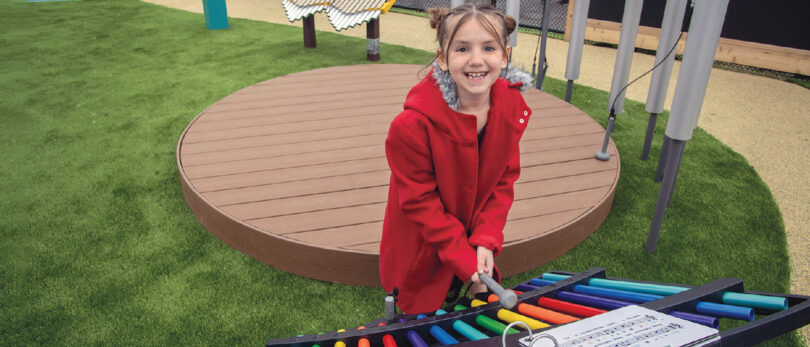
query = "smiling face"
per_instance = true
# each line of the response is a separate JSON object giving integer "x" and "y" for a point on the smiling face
{"x": 474, "y": 57}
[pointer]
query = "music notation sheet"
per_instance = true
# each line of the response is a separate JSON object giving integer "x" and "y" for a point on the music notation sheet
{"x": 626, "y": 327}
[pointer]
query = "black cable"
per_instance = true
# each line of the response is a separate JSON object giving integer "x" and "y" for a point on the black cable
{"x": 612, "y": 111}
{"x": 536, "y": 52}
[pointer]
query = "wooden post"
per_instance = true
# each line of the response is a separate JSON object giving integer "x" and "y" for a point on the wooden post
{"x": 569, "y": 17}
{"x": 309, "y": 31}
{"x": 373, "y": 40}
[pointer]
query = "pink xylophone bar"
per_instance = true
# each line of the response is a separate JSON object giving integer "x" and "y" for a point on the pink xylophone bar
{"x": 404, "y": 328}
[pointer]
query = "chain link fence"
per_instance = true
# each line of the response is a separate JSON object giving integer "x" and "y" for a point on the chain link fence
{"x": 531, "y": 11}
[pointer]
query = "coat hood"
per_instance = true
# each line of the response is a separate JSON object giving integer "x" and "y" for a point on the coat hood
{"x": 447, "y": 86}
{"x": 436, "y": 97}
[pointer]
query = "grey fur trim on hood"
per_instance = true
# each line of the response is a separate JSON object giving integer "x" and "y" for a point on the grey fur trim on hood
{"x": 448, "y": 87}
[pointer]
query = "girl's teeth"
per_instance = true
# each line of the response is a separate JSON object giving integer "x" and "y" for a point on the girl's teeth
{"x": 476, "y": 75}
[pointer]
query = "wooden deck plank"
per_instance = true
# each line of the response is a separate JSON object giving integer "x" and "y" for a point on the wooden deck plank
{"x": 307, "y": 203}
{"x": 361, "y": 234}
{"x": 285, "y": 161}
{"x": 342, "y": 96}
{"x": 366, "y": 195}
{"x": 555, "y": 203}
{"x": 289, "y": 175}
{"x": 267, "y": 163}
{"x": 336, "y": 72}
{"x": 318, "y": 87}
{"x": 559, "y": 156}
{"x": 284, "y": 95}
{"x": 324, "y": 222}
{"x": 302, "y": 187}
{"x": 264, "y": 117}
{"x": 227, "y": 110}
{"x": 317, "y": 220}
{"x": 258, "y": 152}
{"x": 346, "y": 236}
{"x": 300, "y": 127}
{"x": 292, "y": 171}
{"x": 292, "y": 137}
{"x": 373, "y": 247}
{"x": 299, "y": 188}
{"x": 536, "y": 226}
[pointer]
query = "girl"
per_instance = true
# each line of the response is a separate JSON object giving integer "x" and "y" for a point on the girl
{"x": 453, "y": 154}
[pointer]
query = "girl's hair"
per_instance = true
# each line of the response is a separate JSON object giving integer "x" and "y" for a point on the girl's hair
{"x": 478, "y": 11}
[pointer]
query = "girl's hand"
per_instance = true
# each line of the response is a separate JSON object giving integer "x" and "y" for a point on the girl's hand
{"x": 486, "y": 262}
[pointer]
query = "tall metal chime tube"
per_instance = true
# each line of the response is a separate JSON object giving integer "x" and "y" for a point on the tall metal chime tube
{"x": 541, "y": 73}
{"x": 698, "y": 57}
{"x": 513, "y": 9}
{"x": 621, "y": 70}
{"x": 575, "y": 43}
{"x": 670, "y": 30}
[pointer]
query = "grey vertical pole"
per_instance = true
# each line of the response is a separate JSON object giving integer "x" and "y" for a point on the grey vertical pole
{"x": 541, "y": 75}
{"x": 665, "y": 195}
{"x": 624, "y": 54}
{"x": 603, "y": 155}
{"x": 670, "y": 30}
{"x": 569, "y": 89}
{"x": 662, "y": 159}
{"x": 575, "y": 43}
{"x": 513, "y": 9}
{"x": 621, "y": 70}
{"x": 456, "y": 3}
{"x": 648, "y": 136}
{"x": 704, "y": 33}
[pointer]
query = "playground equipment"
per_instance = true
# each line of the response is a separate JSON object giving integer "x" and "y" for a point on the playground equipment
{"x": 216, "y": 14}
{"x": 670, "y": 33}
{"x": 587, "y": 308}
{"x": 575, "y": 43}
{"x": 706, "y": 24}
{"x": 621, "y": 70}
{"x": 541, "y": 73}
{"x": 342, "y": 14}
{"x": 698, "y": 57}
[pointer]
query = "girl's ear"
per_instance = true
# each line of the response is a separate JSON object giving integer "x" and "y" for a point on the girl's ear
{"x": 441, "y": 59}
{"x": 505, "y": 61}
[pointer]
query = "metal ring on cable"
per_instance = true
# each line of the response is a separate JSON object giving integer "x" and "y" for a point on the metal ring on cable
{"x": 544, "y": 336}
{"x": 533, "y": 340}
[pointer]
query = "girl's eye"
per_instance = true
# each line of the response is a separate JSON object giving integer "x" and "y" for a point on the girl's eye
{"x": 461, "y": 49}
{"x": 490, "y": 49}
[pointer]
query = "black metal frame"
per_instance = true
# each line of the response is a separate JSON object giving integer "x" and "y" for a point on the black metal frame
{"x": 774, "y": 324}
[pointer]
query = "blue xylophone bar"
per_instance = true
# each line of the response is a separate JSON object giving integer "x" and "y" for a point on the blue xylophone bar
{"x": 731, "y": 298}
{"x": 610, "y": 299}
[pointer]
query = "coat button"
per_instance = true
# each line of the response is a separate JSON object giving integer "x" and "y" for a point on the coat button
{"x": 522, "y": 121}
{"x": 525, "y": 113}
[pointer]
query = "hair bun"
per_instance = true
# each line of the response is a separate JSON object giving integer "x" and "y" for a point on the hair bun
{"x": 436, "y": 16}
{"x": 510, "y": 24}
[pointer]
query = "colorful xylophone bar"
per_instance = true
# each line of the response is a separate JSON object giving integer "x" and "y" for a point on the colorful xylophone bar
{"x": 556, "y": 299}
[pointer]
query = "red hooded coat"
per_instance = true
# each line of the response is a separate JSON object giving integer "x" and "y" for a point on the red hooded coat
{"x": 446, "y": 196}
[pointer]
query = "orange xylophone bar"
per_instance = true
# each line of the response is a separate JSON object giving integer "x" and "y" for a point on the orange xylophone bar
{"x": 540, "y": 313}
{"x": 768, "y": 325}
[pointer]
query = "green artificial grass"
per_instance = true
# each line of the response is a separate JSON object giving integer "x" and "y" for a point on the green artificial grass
{"x": 99, "y": 247}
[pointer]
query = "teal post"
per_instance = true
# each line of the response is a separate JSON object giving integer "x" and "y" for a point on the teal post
{"x": 216, "y": 15}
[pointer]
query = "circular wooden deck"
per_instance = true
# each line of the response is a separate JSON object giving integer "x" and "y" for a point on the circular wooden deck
{"x": 292, "y": 172}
